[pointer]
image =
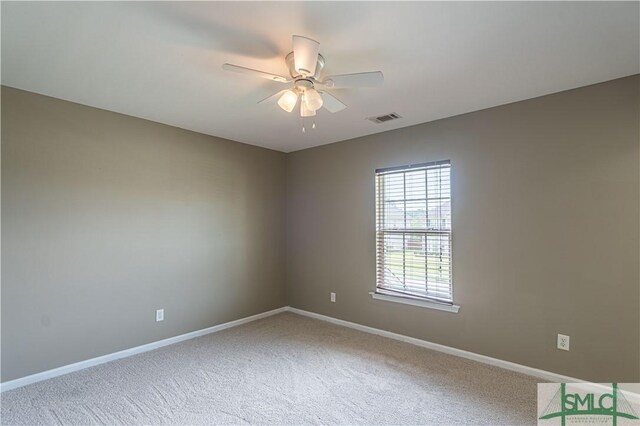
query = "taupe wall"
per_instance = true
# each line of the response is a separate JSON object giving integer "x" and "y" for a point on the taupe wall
{"x": 546, "y": 235}
{"x": 106, "y": 218}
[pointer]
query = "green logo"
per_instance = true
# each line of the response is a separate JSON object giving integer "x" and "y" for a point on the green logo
{"x": 564, "y": 404}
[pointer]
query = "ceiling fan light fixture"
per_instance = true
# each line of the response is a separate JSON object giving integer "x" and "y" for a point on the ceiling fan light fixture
{"x": 305, "y": 65}
{"x": 288, "y": 100}
{"x": 312, "y": 99}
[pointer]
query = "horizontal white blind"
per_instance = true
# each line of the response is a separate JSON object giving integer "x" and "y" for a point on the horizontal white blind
{"x": 413, "y": 231}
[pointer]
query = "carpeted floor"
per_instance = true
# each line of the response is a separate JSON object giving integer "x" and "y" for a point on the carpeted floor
{"x": 285, "y": 369}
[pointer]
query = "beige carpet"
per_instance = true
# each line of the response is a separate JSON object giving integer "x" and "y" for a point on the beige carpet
{"x": 284, "y": 369}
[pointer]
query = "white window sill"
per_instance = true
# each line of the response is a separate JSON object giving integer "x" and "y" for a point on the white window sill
{"x": 416, "y": 302}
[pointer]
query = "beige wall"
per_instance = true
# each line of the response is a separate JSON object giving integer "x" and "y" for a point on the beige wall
{"x": 106, "y": 218}
{"x": 545, "y": 230}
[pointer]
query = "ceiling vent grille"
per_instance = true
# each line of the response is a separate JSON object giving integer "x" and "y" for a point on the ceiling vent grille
{"x": 385, "y": 118}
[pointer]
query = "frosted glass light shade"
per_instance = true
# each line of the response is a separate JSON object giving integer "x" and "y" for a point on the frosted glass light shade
{"x": 304, "y": 111}
{"x": 312, "y": 99}
{"x": 288, "y": 100}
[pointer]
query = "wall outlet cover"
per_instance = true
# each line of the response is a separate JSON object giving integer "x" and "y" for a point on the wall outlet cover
{"x": 160, "y": 315}
{"x": 333, "y": 297}
{"x": 563, "y": 342}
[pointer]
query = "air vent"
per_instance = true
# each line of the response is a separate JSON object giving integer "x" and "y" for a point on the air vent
{"x": 384, "y": 118}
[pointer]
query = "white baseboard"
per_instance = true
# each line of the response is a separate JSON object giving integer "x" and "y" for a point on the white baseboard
{"x": 38, "y": 377}
{"x": 519, "y": 368}
{"x": 535, "y": 372}
{"x": 546, "y": 375}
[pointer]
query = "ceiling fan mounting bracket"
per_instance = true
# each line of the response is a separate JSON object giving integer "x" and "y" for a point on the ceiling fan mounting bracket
{"x": 295, "y": 74}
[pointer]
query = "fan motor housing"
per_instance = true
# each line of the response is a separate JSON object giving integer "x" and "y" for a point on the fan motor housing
{"x": 295, "y": 74}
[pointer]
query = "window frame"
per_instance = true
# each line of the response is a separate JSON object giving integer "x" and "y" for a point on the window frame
{"x": 386, "y": 294}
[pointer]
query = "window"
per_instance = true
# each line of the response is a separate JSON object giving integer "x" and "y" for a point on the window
{"x": 413, "y": 231}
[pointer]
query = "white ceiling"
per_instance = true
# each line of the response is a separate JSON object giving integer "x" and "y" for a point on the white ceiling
{"x": 162, "y": 61}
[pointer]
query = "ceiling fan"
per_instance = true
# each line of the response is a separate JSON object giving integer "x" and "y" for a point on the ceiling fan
{"x": 305, "y": 65}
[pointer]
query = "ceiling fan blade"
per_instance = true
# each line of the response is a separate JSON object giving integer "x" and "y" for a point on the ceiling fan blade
{"x": 360, "y": 79}
{"x": 249, "y": 71}
{"x": 305, "y": 55}
{"x": 273, "y": 98}
{"x": 331, "y": 103}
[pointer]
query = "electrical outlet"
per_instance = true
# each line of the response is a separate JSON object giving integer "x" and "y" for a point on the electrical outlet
{"x": 333, "y": 297}
{"x": 160, "y": 315}
{"x": 563, "y": 342}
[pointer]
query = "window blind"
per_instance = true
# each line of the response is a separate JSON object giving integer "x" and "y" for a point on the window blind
{"x": 413, "y": 231}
